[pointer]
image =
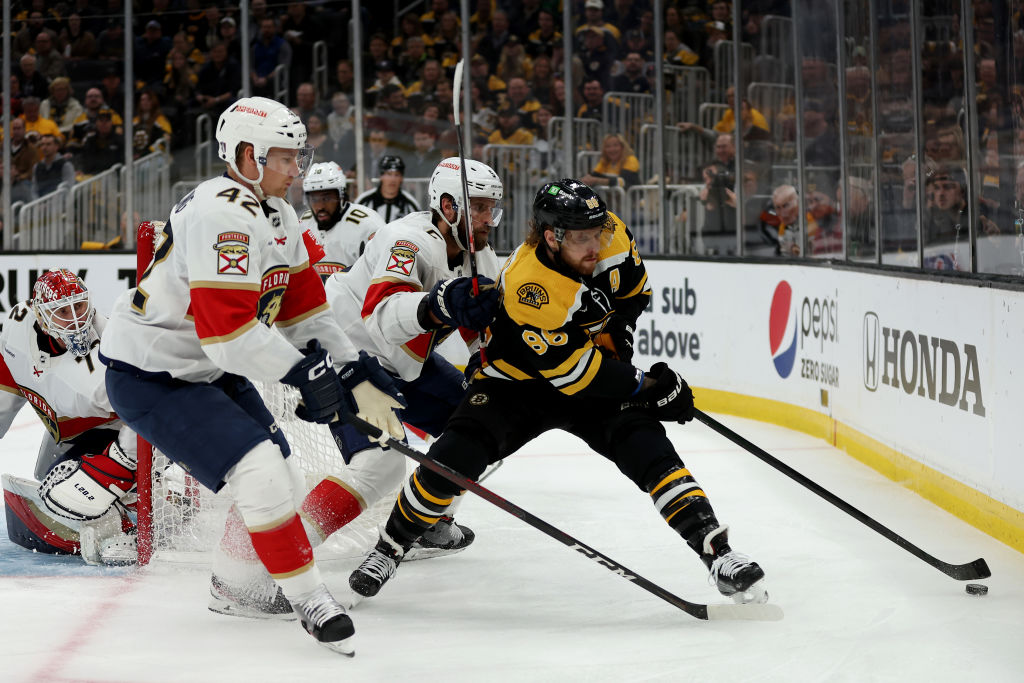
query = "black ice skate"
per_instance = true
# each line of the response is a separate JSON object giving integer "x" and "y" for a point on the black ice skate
{"x": 326, "y": 620}
{"x": 444, "y": 538}
{"x": 379, "y": 566}
{"x": 254, "y": 600}
{"x": 734, "y": 574}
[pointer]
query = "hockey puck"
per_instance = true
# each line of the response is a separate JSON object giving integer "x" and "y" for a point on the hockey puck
{"x": 976, "y": 589}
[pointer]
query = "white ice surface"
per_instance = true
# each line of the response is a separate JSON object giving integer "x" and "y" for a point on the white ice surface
{"x": 518, "y": 606}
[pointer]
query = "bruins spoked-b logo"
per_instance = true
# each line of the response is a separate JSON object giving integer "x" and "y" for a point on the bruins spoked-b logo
{"x": 532, "y": 294}
{"x": 479, "y": 399}
{"x": 232, "y": 253}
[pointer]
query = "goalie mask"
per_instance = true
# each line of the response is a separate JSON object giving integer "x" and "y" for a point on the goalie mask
{"x": 61, "y": 303}
{"x": 481, "y": 180}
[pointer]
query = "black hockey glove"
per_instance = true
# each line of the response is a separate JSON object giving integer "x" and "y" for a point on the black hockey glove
{"x": 670, "y": 399}
{"x": 617, "y": 337}
{"x": 318, "y": 384}
{"x": 453, "y": 303}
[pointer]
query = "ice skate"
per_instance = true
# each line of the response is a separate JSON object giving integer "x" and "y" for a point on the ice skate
{"x": 253, "y": 600}
{"x": 444, "y": 538}
{"x": 104, "y": 541}
{"x": 379, "y": 566}
{"x": 734, "y": 574}
{"x": 326, "y": 620}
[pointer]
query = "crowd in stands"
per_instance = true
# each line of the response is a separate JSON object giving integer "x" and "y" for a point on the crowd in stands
{"x": 67, "y": 93}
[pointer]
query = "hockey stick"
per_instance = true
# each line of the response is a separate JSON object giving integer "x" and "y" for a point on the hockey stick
{"x": 456, "y": 113}
{"x": 700, "y": 611}
{"x": 961, "y": 572}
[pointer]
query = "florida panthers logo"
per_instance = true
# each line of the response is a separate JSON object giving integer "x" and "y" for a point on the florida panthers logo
{"x": 533, "y": 295}
{"x": 275, "y": 282}
{"x": 232, "y": 253}
{"x": 402, "y": 259}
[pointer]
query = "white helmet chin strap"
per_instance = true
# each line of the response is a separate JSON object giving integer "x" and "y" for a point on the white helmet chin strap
{"x": 260, "y": 194}
{"x": 458, "y": 221}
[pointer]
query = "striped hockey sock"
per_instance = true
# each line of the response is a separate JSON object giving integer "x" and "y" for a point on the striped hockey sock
{"x": 683, "y": 504}
{"x": 418, "y": 508}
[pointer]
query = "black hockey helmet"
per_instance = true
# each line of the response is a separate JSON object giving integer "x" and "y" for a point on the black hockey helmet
{"x": 568, "y": 204}
{"x": 391, "y": 162}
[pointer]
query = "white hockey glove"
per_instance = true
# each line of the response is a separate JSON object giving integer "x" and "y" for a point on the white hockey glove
{"x": 374, "y": 396}
{"x": 86, "y": 488}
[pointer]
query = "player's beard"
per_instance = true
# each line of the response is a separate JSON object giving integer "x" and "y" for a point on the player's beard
{"x": 330, "y": 221}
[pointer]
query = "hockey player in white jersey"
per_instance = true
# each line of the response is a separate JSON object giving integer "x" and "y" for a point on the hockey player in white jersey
{"x": 407, "y": 293}
{"x": 229, "y": 297}
{"x": 87, "y": 458}
{"x": 342, "y": 228}
{"x": 404, "y": 295}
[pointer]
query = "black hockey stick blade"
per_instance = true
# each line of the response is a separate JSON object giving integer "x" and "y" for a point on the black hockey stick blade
{"x": 978, "y": 569}
{"x": 749, "y": 612}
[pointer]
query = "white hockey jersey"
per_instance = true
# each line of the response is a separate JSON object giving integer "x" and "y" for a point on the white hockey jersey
{"x": 376, "y": 300}
{"x": 66, "y": 391}
{"x": 230, "y": 289}
{"x": 345, "y": 240}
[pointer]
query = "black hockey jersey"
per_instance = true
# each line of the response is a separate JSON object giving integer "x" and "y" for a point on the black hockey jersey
{"x": 549, "y": 319}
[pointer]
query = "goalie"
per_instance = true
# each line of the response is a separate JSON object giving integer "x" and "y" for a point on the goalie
{"x": 87, "y": 459}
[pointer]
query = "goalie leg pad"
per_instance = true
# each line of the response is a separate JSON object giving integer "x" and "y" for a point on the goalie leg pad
{"x": 30, "y": 525}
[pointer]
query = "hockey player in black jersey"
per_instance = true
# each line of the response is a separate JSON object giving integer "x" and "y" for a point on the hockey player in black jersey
{"x": 559, "y": 357}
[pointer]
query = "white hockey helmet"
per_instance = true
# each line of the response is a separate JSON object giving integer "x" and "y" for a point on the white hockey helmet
{"x": 61, "y": 303}
{"x": 263, "y": 123}
{"x": 327, "y": 175}
{"x": 481, "y": 180}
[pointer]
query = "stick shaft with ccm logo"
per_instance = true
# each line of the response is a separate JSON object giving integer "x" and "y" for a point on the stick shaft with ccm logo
{"x": 978, "y": 569}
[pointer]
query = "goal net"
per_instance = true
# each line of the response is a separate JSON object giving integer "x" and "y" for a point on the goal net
{"x": 179, "y": 520}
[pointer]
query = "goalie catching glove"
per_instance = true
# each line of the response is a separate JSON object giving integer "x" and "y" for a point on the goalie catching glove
{"x": 454, "y": 304}
{"x": 85, "y": 489}
{"x": 669, "y": 399}
{"x": 374, "y": 396}
{"x": 318, "y": 384}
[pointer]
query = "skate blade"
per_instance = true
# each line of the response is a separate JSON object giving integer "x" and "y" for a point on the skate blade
{"x": 421, "y": 553}
{"x": 342, "y": 647}
{"x": 231, "y": 609}
{"x": 349, "y": 599}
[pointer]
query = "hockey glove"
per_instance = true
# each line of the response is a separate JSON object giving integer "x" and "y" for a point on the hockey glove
{"x": 670, "y": 399}
{"x": 374, "y": 396}
{"x": 617, "y": 337}
{"x": 318, "y": 384}
{"x": 454, "y": 304}
{"x": 85, "y": 489}
{"x": 472, "y": 365}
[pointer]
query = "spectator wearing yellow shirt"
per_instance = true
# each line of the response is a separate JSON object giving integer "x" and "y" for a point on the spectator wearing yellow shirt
{"x": 618, "y": 165}
{"x": 755, "y": 125}
{"x": 36, "y": 123}
{"x": 509, "y": 130}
